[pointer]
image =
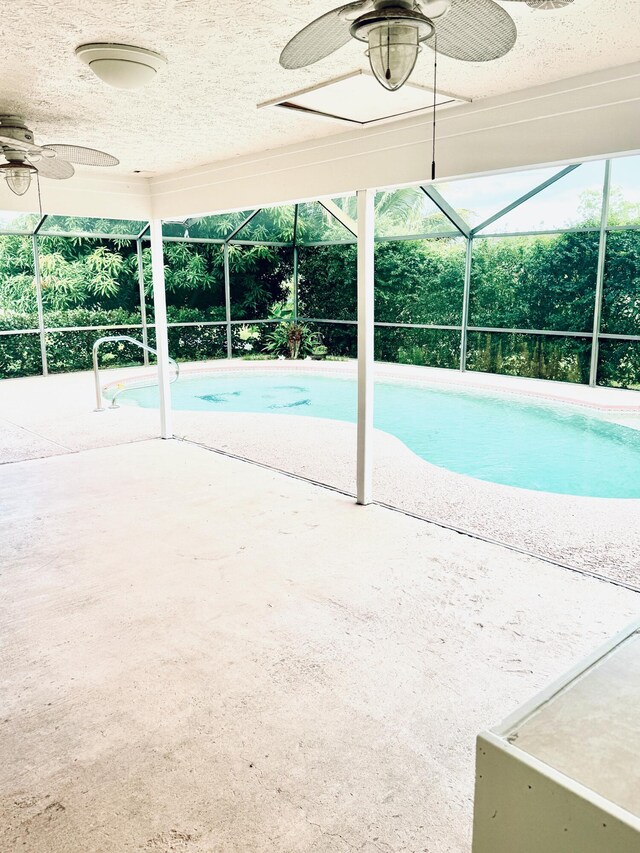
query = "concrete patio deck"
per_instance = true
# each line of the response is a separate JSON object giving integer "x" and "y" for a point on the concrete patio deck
{"x": 202, "y": 655}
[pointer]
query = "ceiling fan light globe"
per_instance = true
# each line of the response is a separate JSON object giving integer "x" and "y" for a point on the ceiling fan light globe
{"x": 19, "y": 180}
{"x": 393, "y": 51}
{"x": 393, "y": 34}
{"x": 18, "y": 176}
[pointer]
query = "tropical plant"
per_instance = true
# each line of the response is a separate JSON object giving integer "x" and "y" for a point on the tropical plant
{"x": 319, "y": 351}
{"x": 18, "y": 308}
{"x": 248, "y": 336}
{"x": 399, "y": 212}
{"x": 283, "y": 310}
{"x": 291, "y": 339}
{"x": 88, "y": 272}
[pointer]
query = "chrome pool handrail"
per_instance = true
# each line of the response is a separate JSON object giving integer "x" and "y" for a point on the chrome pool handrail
{"x": 96, "y": 371}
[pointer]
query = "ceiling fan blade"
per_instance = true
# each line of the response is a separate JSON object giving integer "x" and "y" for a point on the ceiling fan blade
{"x": 474, "y": 31}
{"x": 82, "y": 156}
{"x": 545, "y": 4}
{"x": 321, "y": 37}
{"x": 548, "y": 4}
{"x": 54, "y": 168}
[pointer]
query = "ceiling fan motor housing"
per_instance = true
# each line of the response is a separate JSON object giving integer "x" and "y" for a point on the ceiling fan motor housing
{"x": 392, "y": 13}
{"x": 397, "y": 4}
{"x": 14, "y": 155}
{"x": 13, "y": 127}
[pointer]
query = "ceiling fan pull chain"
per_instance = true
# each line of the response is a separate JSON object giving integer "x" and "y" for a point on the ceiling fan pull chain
{"x": 435, "y": 100}
{"x": 39, "y": 194}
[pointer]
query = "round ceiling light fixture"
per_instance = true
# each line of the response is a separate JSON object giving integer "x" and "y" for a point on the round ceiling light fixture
{"x": 393, "y": 34}
{"x": 121, "y": 65}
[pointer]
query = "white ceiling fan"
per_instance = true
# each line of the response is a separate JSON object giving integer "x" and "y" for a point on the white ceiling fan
{"x": 24, "y": 158}
{"x": 470, "y": 30}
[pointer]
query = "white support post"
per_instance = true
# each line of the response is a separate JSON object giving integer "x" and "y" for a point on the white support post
{"x": 365, "y": 344}
{"x": 227, "y": 299}
{"x": 160, "y": 319}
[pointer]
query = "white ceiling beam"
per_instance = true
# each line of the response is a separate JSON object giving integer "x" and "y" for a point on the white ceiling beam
{"x": 111, "y": 196}
{"x": 587, "y": 117}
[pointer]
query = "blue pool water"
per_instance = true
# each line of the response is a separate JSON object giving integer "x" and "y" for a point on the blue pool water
{"x": 546, "y": 447}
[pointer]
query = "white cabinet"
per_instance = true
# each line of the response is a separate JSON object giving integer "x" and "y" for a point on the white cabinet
{"x": 562, "y": 774}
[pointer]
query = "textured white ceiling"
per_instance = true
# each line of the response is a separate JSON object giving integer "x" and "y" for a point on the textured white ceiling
{"x": 223, "y": 60}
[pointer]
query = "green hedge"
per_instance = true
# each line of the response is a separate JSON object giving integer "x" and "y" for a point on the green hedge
{"x": 327, "y": 282}
{"x": 426, "y": 347}
{"x": 20, "y": 356}
{"x": 69, "y": 351}
{"x": 621, "y": 293}
{"x": 619, "y": 364}
{"x": 92, "y": 317}
{"x": 541, "y": 282}
{"x": 197, "y": 343}
{"x": 340, "y": 339}
{"x": 420, "y": 281}
{"x": 534, "y": 356}
{"x": 14, "y": 320}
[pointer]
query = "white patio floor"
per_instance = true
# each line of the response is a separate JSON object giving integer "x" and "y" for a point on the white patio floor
{"x": 202, "y": 655}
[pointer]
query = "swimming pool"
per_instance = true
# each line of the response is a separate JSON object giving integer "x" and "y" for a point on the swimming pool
{"x": 549, "y": 447}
